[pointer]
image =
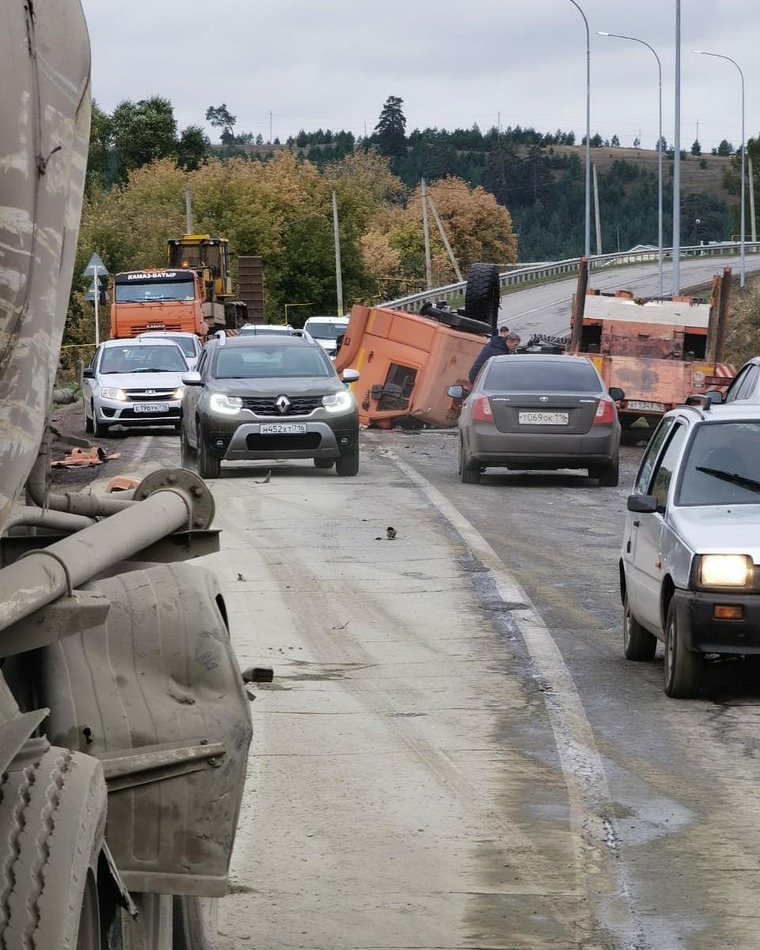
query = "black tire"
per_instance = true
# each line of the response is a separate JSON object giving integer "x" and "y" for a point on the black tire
{"x": 324, "y": 463}
{"x": 609, "y": 475}
{"x": 87, "y": 420}
{"x": 101, "y": 430}
{"x": 683, "y": 668}
{"x": 638, "y": 644}
{"x": 483, "y": 294}
{"x": 469, "y": 470}
{"x": 194, "y": 920}
{"x": 52, "y": 819}
{"x": 187, "y": 453}
{"x": 348, "y": 464}
{"x": 209, "y": 466}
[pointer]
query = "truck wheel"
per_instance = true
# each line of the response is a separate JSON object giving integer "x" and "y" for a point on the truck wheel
{"x": 209, "y": 466}
{"x": 348, "y": 464}
{"x": 483, "y": 294}
{"x": 195, "y": 923}
{"x": 683, "y": 668}
{"x": 52, "y": 819}
{"x": 469, "y": 471}
{"x": 638, "y": 644}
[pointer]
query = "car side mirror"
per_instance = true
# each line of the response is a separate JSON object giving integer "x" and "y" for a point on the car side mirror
{"x": 350, "y": 375}
{"x": 644, "y": 504}
{"x": 191, "y": 379}
{"x": 616, "y": 393}
{"x": 88, "y": 372}
{"x": 456, "y": 392}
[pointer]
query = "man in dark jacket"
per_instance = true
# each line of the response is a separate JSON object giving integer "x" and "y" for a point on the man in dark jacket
{"x": 504, "y": 342}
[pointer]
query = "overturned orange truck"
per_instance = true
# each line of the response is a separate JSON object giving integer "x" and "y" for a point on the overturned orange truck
{"x": 658, "y": 352}
{"x": 408, "y": 360}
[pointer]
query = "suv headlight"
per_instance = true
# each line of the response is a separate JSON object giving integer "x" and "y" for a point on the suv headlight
{"x": 107, "y": 392}
{"x": 725, "y": 570}
{"x": 338, "y": 402}
{"x": 227, "y": 405}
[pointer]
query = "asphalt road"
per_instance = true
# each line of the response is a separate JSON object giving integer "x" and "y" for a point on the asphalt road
{"x": 454, "y": 752}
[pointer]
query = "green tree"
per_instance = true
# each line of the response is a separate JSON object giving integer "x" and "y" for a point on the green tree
{"x": 193, "y": 148}
{"x": 220, "y": 117}
{"x": 99, "y": 160}
{"x": 143, "y": 132}
{"x": 696, "y": 148}
{"x": 390, "y": 132}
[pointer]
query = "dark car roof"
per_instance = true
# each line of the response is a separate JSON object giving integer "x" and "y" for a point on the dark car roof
{"x": 263, "y": 340}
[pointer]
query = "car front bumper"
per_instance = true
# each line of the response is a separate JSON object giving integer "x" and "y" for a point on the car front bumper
{"x": 702, "y": 632}
{"x": 232, "y": 440}
{"x": 118, "y": 412}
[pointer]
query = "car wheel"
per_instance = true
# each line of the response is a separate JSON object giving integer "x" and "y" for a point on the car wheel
{"x": 469, "y": 471}
{"x": 101, "y": 430}
{"x": 638, "y": 644}
{"x": 608, "y": 475}
{"x": 324, "y": 463}
{"x": 187, "y": 454}
{"x": 348, "y": 464}
{"x": 683, "y": 668}
{"x": 87, "y": 419}
{"x": 209, "y": 466}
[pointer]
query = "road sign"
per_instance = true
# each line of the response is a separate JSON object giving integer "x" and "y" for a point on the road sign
{"x": 95, "y": 268}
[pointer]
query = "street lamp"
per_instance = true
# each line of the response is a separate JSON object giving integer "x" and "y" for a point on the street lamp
{"x": 587, "y": 242}
{"x": 702, "y": 52}
{"x": 635, "y": 39}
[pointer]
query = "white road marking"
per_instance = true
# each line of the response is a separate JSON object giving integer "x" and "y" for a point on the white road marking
{"x": 590, "y": 799}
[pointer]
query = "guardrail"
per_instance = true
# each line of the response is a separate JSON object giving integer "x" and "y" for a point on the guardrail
{"x": 529, "y": 273}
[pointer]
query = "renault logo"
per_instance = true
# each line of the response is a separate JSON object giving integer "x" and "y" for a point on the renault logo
{"x": 282, "y": 403}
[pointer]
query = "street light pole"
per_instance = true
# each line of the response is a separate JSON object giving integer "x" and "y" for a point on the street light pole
{"x": 677, "y": 163}
{"x": 635, "y": 39}
{"x": 702, "y": 52}
{"x": 587, "y": 235}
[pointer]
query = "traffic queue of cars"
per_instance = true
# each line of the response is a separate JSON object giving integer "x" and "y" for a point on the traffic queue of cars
{"x": 689, "y": 568}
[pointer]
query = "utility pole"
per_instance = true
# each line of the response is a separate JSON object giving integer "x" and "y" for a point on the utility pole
{"x": 426, "y": 230}
{"x": 752, "y": 222}
{"x": 597, "y": 215}
{"x": 338, "y": 270}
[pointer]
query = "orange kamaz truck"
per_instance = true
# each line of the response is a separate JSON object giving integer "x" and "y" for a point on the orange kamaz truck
{"x": 658, "y": 352}
{"x": 408, "y": 360}
{"x": 156, "y": 299}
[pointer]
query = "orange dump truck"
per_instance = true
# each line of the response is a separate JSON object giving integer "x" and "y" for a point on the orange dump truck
{"x": 658, "y": 351}
{"x": 408, "y": 360}
{"x": 156, "y": 300}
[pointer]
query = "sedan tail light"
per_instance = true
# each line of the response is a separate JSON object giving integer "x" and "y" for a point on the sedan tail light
{"x": 481, "y": 410}
{"x": 605, "y": 412}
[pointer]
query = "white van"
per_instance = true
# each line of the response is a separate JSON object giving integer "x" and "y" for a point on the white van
{"x": 326, "y": 330}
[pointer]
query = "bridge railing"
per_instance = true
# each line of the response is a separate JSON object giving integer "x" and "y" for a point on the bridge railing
{"x": 531, "y": 273}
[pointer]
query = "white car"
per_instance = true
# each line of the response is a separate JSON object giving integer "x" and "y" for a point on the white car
{"x": 326, "y": 330}
{"x": 135, "y": 382}
{"x": 189, "y": 343}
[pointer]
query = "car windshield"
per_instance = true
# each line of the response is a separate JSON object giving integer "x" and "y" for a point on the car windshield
{"x": 155, "y": 290}
{"x": 270, "y": 362}
{"x": 142, "y": 358}
{"x": 185, "y": 344}
{"x": 525, "y": 374}
{"x": 722, "y": 465}
{"x": 324, "y": 331}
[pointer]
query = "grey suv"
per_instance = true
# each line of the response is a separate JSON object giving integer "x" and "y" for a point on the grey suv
{"x": 264, "y": 397}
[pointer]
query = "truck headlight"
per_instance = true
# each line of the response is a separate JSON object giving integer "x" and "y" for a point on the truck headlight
{"x": 227, "y": 405}
{"x": 107, "y": 392}
{"x": 338, "y": 402}
{"x": 725, "y": 570}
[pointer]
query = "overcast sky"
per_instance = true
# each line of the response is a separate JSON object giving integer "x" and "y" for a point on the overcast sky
{"x": 308, "y": 64}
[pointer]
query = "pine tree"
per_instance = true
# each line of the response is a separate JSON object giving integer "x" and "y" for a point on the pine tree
{"x": 390, "y": 131}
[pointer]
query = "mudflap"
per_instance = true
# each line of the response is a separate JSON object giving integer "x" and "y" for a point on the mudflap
{"x": 147, "y": 693}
